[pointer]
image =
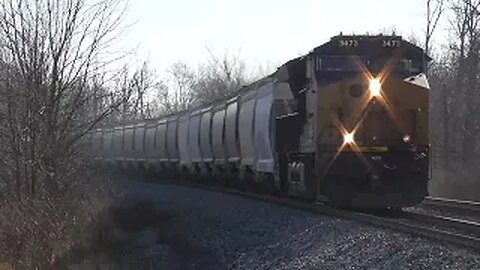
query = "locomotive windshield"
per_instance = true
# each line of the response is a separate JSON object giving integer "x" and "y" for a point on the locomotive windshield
{"x": 340, "y": 63}
{"x": 349, "y": 64}
{"x": 404, "y": 66}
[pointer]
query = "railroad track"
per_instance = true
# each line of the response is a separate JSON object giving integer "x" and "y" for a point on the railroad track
{"x": 410, "y": 225}
{"x": 465, "y": 207}
{"x": 467, "y": 226}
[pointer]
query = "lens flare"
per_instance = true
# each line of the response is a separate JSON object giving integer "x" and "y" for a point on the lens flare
{"x": 406, "y": 138}
{"x": 348, "y": 138}
{"x": 375, "y": 87}
{"x": 376, "y": 83}
{"x": 348, "y": 144}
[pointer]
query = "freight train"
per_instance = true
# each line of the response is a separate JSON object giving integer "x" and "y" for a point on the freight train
{"x": 346, "y": 124}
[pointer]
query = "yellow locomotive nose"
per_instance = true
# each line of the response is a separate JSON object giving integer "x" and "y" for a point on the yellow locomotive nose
{"x": 375, "y": 87}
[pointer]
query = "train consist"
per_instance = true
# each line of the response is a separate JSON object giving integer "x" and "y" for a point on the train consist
{"x": 346, "y": 124}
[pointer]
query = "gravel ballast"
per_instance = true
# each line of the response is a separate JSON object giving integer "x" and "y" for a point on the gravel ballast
{"x": 210, "y": 230}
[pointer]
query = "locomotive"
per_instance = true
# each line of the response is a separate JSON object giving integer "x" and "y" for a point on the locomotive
{"x": 346, "y": 124}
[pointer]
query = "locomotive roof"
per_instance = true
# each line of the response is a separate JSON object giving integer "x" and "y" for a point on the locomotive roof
{"x": 370, "y": 46}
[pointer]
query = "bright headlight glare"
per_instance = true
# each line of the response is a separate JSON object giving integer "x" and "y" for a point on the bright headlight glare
{"x": 375, "y": 87}
{"x": 348, "y": 138}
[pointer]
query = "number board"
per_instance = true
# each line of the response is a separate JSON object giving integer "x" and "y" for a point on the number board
{"x": 384, "y": 43}
{"x": 391, "y": 43}
{"x": 348, "y": 43}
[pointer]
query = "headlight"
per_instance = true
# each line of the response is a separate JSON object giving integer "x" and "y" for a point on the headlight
{"x": 348, "y": 138}
{"x": 375, "y": 87}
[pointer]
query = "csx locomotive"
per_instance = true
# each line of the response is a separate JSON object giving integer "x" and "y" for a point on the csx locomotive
{"x": 346, "y": 124}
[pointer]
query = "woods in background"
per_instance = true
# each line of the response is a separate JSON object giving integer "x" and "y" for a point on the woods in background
{"x": 179, "y": 88}
{"x": 455, "y": 96}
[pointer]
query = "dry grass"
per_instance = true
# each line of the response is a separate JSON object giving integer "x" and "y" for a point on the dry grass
{"x": 40, "y": 233}
{"x": 87, "y": 224}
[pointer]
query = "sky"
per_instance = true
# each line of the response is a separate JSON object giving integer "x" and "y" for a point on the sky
{"x": 262, "y": 32}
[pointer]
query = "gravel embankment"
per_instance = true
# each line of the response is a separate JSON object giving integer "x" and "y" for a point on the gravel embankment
{"x": 206, "y": 230}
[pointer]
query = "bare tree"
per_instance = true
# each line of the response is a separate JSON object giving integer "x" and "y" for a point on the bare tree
{"x": 160, "y": 103}
{"x": 435, "y": 9}
{"x": 183, "y": 87}
{"x": 136, "y": 89}
{"x": 465, "y": 50}
{"x": 52, "y": 49}
{"x": 182, "y": 80}
{"x": 220, "y": 76}
{"x": 51, "y": 95}
{"x": 141, "y": 82}
{"x": 152, "y": 97}
{"x": 454, "y": 77}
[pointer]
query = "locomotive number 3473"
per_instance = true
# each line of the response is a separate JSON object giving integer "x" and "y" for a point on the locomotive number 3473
{"x": 348, "y": 43}
{"x": 390, "y": 43}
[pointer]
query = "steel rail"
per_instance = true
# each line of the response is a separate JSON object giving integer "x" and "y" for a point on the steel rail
{"x": 469, "y": 207}
{"x": 459, "y": 224}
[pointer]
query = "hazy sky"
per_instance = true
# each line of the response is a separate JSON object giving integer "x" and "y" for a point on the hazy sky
{"x": 264, "y": 32}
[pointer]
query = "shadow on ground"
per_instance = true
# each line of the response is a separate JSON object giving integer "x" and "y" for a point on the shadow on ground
{"x": 135, "y": 235}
